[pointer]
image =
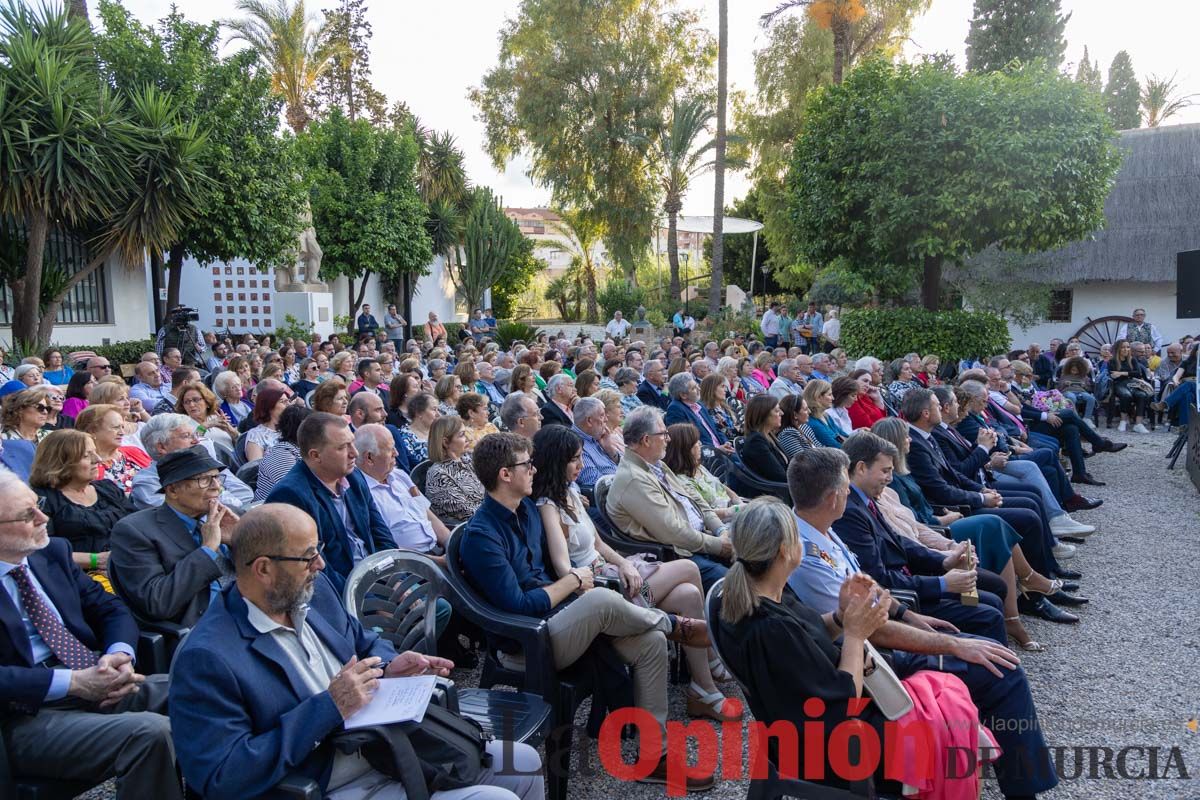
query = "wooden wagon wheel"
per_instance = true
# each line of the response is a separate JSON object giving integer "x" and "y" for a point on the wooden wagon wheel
{"x": 1096, "y": 332}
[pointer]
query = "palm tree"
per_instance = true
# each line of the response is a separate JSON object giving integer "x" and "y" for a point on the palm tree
{"x": 680, "y": 157}
{"x": 718, "y": 238}
{"x": 839, "y": 16}
{"x": 583, "y": 231}
{"x": 78, "y": 158}
{"x": 441, "y": 170}
{"x": 1161, "y": 99}
{"x": 290, "y": 46}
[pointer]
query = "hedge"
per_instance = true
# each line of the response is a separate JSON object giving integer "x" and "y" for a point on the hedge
{"x": 888, "y": 333}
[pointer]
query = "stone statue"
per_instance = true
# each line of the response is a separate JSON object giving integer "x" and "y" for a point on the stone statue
{"x": 641, "y": 314}
{"x": 304, "y": 276}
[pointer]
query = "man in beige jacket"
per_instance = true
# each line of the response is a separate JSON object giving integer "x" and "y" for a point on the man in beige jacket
{"x": 647, "y": 501}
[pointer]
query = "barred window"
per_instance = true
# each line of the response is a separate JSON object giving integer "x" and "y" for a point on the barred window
{"x": 1061, "y": 303}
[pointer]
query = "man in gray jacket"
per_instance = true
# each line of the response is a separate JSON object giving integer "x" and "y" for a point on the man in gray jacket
{"x": 167, "y": 433}
{"x": 168, "y": 562}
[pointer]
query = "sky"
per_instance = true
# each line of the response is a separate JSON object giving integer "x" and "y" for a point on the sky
{"x": 430, "y": 54}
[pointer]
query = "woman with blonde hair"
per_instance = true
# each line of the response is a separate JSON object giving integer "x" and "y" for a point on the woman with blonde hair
{"x": 118, "y": 462}
{"x": 451, "y": 486}
{"x": 522, "y": 380}
{"x": 82, "y": 507}
{"x": 201, "y": 406}
{"x": 448, "y": 390}
{"x": 763, "y": 373}
{"x": 818, "y": 396}
{"x": 614, "y": 418}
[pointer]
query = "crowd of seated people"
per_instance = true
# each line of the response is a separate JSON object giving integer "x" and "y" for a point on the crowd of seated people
{"x": 907, "y": 479}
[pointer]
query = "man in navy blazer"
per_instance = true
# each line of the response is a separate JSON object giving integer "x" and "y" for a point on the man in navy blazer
{"x": 685, "y": 407}
{"x": 71, "y": 704}
{"x": 325, "y": 485}
{"x": 897, "y": 562}
{"x": 276, "y": 665}
{"x": 650, "y": 390}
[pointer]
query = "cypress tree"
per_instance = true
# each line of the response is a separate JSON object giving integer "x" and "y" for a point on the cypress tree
{"x": 1003, "y": 30}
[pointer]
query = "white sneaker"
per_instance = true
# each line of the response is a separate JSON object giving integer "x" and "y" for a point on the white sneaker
{"x": 1063, "y": 525}
{"x": 1064, "y": 551}
{"x": 1140, "y": 428}
{"x": 1087, "y": 421}
{"x": 1121, "y": 427}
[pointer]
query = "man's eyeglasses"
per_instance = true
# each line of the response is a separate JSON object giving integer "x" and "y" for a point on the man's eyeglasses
{"x": 206, "y": 481}
{"x": 526, "y": 463}
{"x": 30, "y": 513}
{"x": 101, "y": 366}
{"x": 660, "y": 433}
{"x": 308, "y": 561}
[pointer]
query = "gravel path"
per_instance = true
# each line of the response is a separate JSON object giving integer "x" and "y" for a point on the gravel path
{"x": 1127, "y": 677}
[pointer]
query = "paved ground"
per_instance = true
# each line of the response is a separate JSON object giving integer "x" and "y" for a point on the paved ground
{"x": 1127, "y": 677}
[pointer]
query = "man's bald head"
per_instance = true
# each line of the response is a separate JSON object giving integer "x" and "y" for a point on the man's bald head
{"x": 269, "y": 530}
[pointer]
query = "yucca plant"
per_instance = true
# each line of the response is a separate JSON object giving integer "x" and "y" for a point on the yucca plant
{"x": 509, "y": 332}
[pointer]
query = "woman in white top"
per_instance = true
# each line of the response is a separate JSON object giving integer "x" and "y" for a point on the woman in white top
{"x": 269, "y": 404}
{"x": 572, "y": 542}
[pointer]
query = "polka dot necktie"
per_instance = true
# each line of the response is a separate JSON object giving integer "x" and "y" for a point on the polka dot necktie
{"x": 73, "y": 653}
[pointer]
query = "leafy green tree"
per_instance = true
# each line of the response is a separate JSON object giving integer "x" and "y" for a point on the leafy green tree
{"x": 121, "y": 172}
{"x": 515, "y": 280}
{"x": 250, "y": 205}
{"x": 944, "y": 166}
{"x": 1161, "y": 99}
{"x": 1007, "y": 284}
{"x": 797, "y": 58}
{"x": 586, "y": 114}
{"x": 1003, "y": 31}
{"x": 1089, "y": 73}
{"x": 1123, "y": 94}
{"x": 366, "y": 210}
{"x": 836, "y": 285}
{"x": 347, "y": 81}
{"x": 291, "y": 46}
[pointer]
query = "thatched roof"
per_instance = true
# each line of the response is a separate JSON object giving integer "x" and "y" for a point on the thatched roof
{"x": 1152, "y": 214}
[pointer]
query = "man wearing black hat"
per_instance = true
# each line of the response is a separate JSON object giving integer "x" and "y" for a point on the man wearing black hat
{"x": 168, "y": 562}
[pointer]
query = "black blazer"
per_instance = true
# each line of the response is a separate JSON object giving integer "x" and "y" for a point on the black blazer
{"x": 942, "y": 484}
{"x": 651, "y": 396}
{"x": 553, "y": 415}
{"x": 965, "y": 457}
{"x": 97, "y": 618}
{"x": 883, "y": 554}
{"x": 764, "y": 458}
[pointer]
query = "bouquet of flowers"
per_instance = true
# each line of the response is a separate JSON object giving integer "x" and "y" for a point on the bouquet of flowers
{"x": 1051, "y": 401}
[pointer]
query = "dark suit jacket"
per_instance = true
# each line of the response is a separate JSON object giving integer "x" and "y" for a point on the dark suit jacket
{"x": 763, "y": 458}
{"x": 969, "y": 426}
{"x": 97, "y": 618}
{"x": 249, "y": 716}
{"x": 883, "y": 554}
{"x": 553, "y": 415}
{"x": 159, "y": 570}
{"x": 1043, "y": 368}
{"x": 301, "y": 488}
{"x": 966, "y": 458}
{"x": 651, "y": 396}
{"x": 942, "y": 484}
{"x": 678, "y": 412}
{"x": 1009, "y": 427}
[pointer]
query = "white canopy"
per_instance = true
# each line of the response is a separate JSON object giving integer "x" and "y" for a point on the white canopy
{"x": 732, "y": 225}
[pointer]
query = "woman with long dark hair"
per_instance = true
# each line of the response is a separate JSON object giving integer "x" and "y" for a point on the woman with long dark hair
{"x": 761, "y": 451}
{"x": 78, "y": 390}
{"x": 572, "y": 542}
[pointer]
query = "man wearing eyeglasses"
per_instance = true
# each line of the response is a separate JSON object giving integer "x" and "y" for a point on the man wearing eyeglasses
{"x": 73, "y": 705}
{"x": 169, "y": 433}
{"x": 169, "y": 562}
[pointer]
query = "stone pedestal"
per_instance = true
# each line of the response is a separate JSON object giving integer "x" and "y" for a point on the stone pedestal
{"x": 307, "y": 307}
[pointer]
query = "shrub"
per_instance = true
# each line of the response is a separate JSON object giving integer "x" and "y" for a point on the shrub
{"x": 838, "y": 286}
{"x": 509, "y": 332}
{"x": 888, "y": 333}
{"x": 118, "y": 352}
{"x": 293, "y": 328}
{"x": 616, "y": 295}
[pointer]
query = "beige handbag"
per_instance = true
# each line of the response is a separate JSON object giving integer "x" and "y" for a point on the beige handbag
{"x": 885, "y": 687}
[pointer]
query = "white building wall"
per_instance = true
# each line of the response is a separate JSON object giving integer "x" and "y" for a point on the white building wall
{"x": 435, "y": 292}
{"x": 1103, "y": 299}
{"x": 130, "y": 312}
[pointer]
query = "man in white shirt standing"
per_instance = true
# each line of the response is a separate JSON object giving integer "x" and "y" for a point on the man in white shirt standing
{"x": 617, "y": 327}
{"x": 770, "y": 326}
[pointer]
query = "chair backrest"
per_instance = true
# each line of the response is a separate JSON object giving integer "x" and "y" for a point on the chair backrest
{"x": 248, "y": 473}
{"x": 224, "y": 454}
{"x": 600, "y": 491}
{"x": 419, "y": 473}
{"x": 395, "y": 593}
{"x": 717, "y": 463}
{"x": 712, "y": 612}
{"x": 239, "y": 452}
